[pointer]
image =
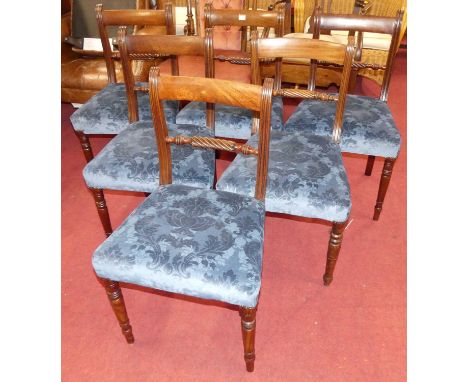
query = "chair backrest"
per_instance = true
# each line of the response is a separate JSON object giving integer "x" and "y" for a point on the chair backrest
{"x": 244, "y": 18}
{"x": 361, "y": 24}
{"x": 129, "y": 17}
{"x": 254, "y": 97}
{"x": 150, "y": 47}
{"x": 83, "y": 19}
{"x": 314, "y": 50}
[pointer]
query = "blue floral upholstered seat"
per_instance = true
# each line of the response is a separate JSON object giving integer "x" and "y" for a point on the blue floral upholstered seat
{"x": 306, "y": 176}
{"x": 107, "y": 111}
{"x": 202, "y": 243}
{"x": 129, "y": 162}
{"x": 231, "y": 122}
{"x": 368, "y": 125}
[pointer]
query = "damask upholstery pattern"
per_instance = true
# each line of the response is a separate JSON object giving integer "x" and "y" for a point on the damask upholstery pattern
{"x": 129, "y": 162}
{"x": 230, "y": 121}
{"x": 368, "y": 125}
{"x": 306, "y": 176}
{"x": 107, "y": 111}
{"x": 202, "y": 243}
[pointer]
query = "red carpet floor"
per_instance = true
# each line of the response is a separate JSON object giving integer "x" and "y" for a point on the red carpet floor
{"x": 354, "y": 330}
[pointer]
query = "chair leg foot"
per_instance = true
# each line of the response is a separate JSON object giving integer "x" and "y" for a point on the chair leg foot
{"x": 248, "y": 324}
{"x": 85, "y": 145}
{"x": 370, "y": 165}
{"x": 383, "y": 186}
{"x": 334, "y": 246}
{"x": 102, "y": 210}
{"x": 118, "y": 306}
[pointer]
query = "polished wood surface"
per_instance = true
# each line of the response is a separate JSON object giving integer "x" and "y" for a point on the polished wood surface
{"x": 103, "y": 212}
{"x": 114, "y": 294}
{"x": 222, "y": 17}
{"x": 244, "y": 18}
{"x": 248, "y": 326}
{"x": 334, "y": 246}
{"x": 128, "y": 17}
{"x": 383, "y": 186}
{"x": 301, "y": 48}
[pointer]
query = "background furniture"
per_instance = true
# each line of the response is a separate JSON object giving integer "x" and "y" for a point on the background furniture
{"x": 85, "y": 73}
{"x": 296, "y": 72}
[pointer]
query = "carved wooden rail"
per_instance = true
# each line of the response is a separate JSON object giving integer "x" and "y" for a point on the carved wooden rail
{"x": 147, "y": 56}
{"x": 304, "y": 93}
{"x": 246, "y": 61}
{"x": 213, "y": 143}
{"x": 141, "y": 89}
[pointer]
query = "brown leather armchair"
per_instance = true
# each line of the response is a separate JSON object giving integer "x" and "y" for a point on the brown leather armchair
{"x": 83, "y": 75}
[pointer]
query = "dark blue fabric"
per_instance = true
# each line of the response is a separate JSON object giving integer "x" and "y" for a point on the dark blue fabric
{"x": 230, "y": 121}
{"x": 368, "y": 125}
{"x": 306, "y": 176}
{"x": 129, "y": 162}
{"x": 107, "y": 111}
{"x": 201, "y": 243}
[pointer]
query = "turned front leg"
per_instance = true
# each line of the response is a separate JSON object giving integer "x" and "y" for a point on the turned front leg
{"x": 370, "y": 165}
{"x": 116, "y": 299}
{"x": 334, "y": 246}
{"x": 383, "y": 186}
{"x": 102, "y": 210}
{"x": 85, "y": 145}
{"x": 248, "y": 323}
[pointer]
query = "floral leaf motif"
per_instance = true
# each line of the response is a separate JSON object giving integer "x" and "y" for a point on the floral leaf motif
{"x": 158, "y": 257}
{"x": 252, "y": 251}
{"x": 218, "y": 244}
{"x": 234, "y": 201}
{"x": 197, "y": 206}
{"x": 186, "y": 223}
{"x": 114, "y": 255}
{"x": 246, "y": 225}
{"x": 182, "y": 263}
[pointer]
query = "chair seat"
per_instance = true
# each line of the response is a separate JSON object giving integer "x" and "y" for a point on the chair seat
{"x": 107, "y": 111}
{"x": 129, "y": 162}
{"x": 368, "y": 125}
{"x": 201, "y": 243}
{"x": 306, "y": 176}
{"x": 230, "y": 121}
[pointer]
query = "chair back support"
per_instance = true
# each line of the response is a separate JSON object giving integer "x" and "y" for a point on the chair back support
{"x": 361, "y": 24}
{"x": 149, "y": 47}
{"x": 254, "y": 97}
{"x": 246, "y": 18}
{"x": 129, "y": 17}
{"x": 314, "y": 50}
